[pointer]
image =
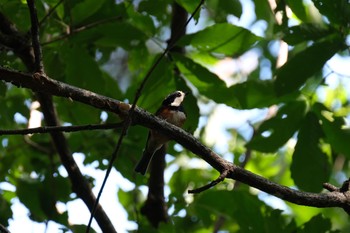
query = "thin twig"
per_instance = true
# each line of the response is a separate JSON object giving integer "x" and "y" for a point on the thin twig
{"x": 221, "y": 178}
{"x": 3, "y": 229}
{"x": 82, "y": 28}
{"x": 131, "y": 112}
{"x": 50, "y": 12}
{"x": 49, "y": 129}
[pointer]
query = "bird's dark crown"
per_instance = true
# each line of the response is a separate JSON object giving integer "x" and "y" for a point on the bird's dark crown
{"x": 174, "y": 99}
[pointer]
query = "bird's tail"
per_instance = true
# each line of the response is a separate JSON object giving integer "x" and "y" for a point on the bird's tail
{"x": 142, "y": 166}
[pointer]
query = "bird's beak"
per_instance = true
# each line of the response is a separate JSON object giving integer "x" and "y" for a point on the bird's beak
{"x": 187, "y": 93}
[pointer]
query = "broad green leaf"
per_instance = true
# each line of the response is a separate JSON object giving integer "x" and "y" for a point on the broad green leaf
{"x": 240, "y": 207}
{"x": 263, "y": 10}
{"x": 85, "y": 9}
{"x": 310, "y": 166}
{"x": 28, "y": 191}
{"x": 156, "y": 8}
{"x": 79, "y": 229}
{"x": 303, "y": 65}
{"x": 220, "y": 9}
{"x": 230, "y": 7}
{"x": 190, "y": 6}
{"x": 221, "y": 38}
{"x": 337, "y": 12}
{"x": 81, "y": 69}
{"x": 3, "y": 89}
{"x": 316, "y": 224}
{"x": 203, "y": 77}
{"x": 5, "y": 210}
{"x": 128, "y": 198}
{"x": 333, "y": 127}
{"x": 141, "y": 21}
{"x": 247, "y": 95}
{"x": 120, "y": 34}
{"x": 252, "y": 94}
{"x": 280, "y": 128}
{"x": 298, "y": 8}
{"x": 305, "y": 32}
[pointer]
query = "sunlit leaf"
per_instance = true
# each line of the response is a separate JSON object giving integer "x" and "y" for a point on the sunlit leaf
{"x": 246, "y": 95}
{"x": 221, "y": 38}
{"x": 303, "y": 65}
{"x": 334, "y": 130}
{"x": 298, "y": 8}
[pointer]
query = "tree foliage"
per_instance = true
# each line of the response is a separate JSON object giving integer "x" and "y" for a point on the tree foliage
{"x": 108, "y": 47}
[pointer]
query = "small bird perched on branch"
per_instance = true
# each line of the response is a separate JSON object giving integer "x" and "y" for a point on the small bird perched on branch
{"x": 172, "y": 111}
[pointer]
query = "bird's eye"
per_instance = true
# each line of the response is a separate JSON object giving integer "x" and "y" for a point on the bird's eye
{"x": 178, "y": 94}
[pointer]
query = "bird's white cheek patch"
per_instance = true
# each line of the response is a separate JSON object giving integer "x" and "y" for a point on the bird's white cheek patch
{"x": 177, "y": 102}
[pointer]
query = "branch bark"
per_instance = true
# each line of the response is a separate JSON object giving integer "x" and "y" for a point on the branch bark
{"x": 338, "y": 198}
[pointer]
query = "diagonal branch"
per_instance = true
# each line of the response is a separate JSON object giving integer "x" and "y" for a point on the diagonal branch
{"x": 336, "y": 198}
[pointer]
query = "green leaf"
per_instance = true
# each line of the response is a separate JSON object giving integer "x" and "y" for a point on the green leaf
{"x": 334, "y": 130}
{"x": 233, "y": 7}
{"x": 237, "y": 206}
{"x": 5, "y": 210}
{"x": 252, "y": 94}
{"x": 303, "y": 65}
{"x": 316, "y": 224}
{"x": 247, "y": 95}
{"x": 305, "y": 32}
{"x": 3, "y": 89}
{"x": 263, "y": 10}
{"x": 156, "y": 8}
{"x": 280, "y": 128}
{"x": 85, "y": 9}
{"x": 141, "y": 21}
{"x": 310, "y": 166}
{"x": 221, "y": 38}
{"x": 81, "y": 69}
{"x": 190, "y": 6}
{"x": 298, "y": 8}
{"x": 28, "y": 191}
{"x": 120, "y": 34}
{"x": 337, "y": 12}
{"x": 220, "y": 9}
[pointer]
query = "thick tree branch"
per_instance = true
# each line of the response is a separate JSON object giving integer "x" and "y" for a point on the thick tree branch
{"x": 333, "y": 199}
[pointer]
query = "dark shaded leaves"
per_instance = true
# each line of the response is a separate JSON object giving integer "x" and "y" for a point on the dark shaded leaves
{"x": 310, "y": 166}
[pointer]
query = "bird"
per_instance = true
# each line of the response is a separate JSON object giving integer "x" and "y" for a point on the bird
{"x": 173, "y": 112}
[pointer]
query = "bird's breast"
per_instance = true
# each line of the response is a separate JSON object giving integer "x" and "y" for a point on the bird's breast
{"x": 175, "y": 117}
